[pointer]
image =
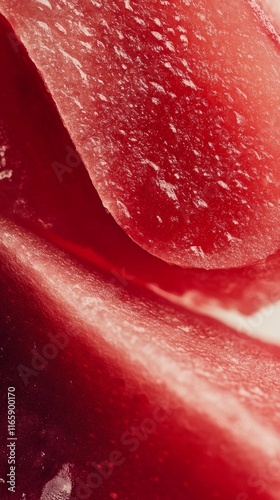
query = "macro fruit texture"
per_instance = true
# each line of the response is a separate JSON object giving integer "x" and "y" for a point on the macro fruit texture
{"x": 121, "y": 393}
{"x": 45, "y": 186}
{"x": 126, "y": 361}
{"x": 174, "y": 110}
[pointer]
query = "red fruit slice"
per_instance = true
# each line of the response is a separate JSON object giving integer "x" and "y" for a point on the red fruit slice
{"x": 129, "y": 353}
{"x": 41, "y": 175}
{"x": 174, "y": 109}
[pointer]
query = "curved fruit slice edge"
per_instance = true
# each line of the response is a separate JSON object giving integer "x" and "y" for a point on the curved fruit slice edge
{"x": 44, "y": 185}
{"x": 219, "y": 210}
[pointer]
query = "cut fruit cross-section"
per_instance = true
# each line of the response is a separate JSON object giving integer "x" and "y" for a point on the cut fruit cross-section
{"x": 129, "y": 352}
{"x": 174, "y": 108}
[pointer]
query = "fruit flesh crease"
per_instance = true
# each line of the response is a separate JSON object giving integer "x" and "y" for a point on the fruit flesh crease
{"x": 34, "y": 193}
{"x": 270, "y": 365}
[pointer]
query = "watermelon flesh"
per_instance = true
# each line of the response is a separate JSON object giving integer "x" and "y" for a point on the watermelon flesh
{"x": 174, "y": 110}
{"x": 41, "y": 177}
{"x": 127, "y": 354}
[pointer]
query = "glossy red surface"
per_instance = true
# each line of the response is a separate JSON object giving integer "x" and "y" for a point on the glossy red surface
{"x": 174, "y": 109}
{"x": 63, "y": 205}
{"x": 128, "y": 352}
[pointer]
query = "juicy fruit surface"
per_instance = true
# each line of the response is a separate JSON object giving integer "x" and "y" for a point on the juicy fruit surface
{"x": 128, "y": 353}
{"x": 174, "y": 109}
{"x": 45, "y": 191}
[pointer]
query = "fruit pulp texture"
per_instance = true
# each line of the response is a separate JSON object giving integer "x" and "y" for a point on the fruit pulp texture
{"x": 174, "y": 110}
{"x": 127, "y": 354}
{"x": 44, "y": 185}
{"x": 118, "y": 399}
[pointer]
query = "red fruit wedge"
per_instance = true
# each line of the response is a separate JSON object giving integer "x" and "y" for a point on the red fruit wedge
{"x": 127, "y": 354}
{"x": 175, "y": 111}
{"x": 41, "y": 174}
